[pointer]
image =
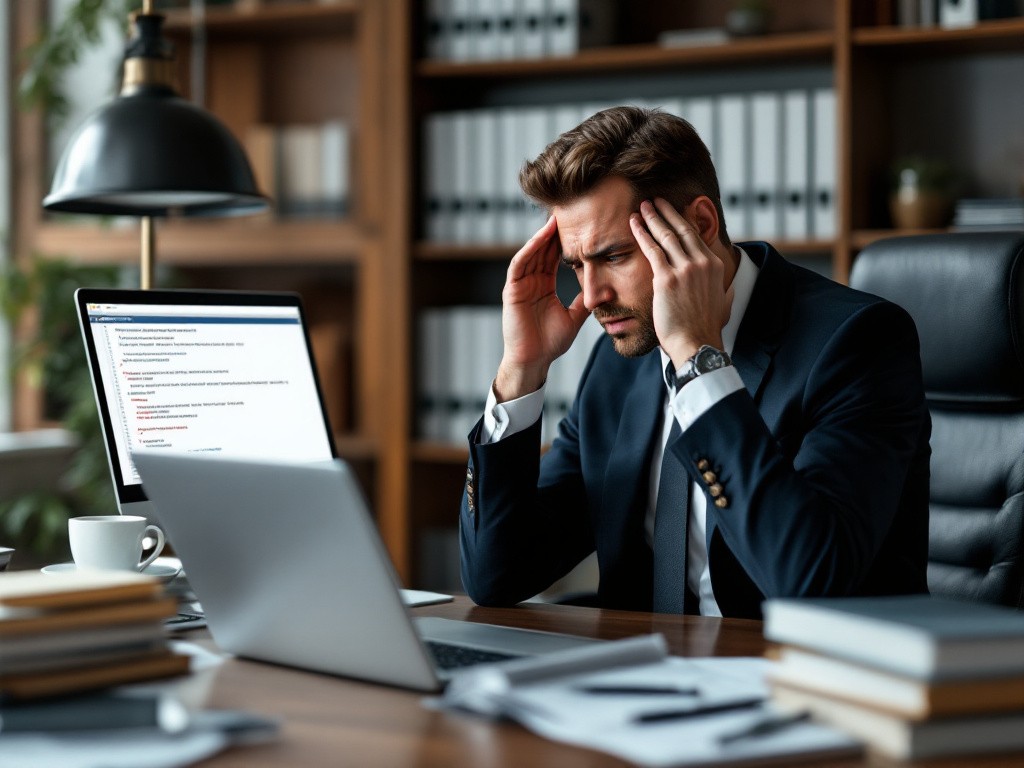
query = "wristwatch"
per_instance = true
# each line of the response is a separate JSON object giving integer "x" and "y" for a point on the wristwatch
{"x": 706, "y": 360}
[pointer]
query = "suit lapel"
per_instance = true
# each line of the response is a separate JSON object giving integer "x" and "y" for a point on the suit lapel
{"x": 766, "y": 317}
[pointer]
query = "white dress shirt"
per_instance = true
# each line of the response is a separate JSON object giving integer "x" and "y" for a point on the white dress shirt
{"x": 689, "y": 403}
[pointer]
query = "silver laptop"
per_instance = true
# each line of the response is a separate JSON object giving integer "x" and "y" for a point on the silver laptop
{"x": 290, "y": 569}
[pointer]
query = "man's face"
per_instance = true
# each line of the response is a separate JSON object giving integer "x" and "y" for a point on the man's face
{"x": 615, "y": 276}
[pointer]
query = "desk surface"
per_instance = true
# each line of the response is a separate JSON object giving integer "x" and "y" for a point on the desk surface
{"x": 334, "y": 721}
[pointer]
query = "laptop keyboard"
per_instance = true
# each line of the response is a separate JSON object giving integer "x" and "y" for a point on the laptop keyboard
{"x": 454, "y": 656}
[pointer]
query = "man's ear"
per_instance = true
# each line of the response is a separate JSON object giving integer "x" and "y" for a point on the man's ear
{"x": 705, "y": 218}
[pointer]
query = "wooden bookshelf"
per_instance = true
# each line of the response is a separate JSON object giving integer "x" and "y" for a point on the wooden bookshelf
{"x": 362, "y": 61}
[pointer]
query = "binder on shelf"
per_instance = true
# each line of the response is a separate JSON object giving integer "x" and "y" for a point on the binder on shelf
{"x": 486, "y": 29}
{"x": 535, "y": 136}
{"x": 438, "y": 29}
{"x": 335, "y": 141}
{"x": 766, "y": 137}
{"x": 434, "y": 368}
{"x": 731, "y": 162}
{"x": 957, "y": 13}
{"x": 438, "y": 166}
{"x": 796, "y": 212}
{"x": 486, "y": 184}
{"x": 572, "y": 25}
{"x": 823, "y": 221}
{"x": 533, "y": 21}
{"x": 463, "y": 176}
{"x": 699, "y": 111}
{"x": 506, "y": 29}
{"x": 460, "y": 31}
{"x": 510, "y": 161}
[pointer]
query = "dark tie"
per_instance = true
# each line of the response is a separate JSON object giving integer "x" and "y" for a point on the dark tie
{"x": 670, "y": 522}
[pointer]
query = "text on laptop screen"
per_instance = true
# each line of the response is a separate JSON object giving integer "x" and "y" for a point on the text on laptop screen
{"x": 234, "y": 381}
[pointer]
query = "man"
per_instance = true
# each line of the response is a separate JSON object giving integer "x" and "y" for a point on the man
{"x": 746, "y": 428}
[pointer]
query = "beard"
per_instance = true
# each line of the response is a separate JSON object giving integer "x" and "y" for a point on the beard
{"x": 635, "y": 343}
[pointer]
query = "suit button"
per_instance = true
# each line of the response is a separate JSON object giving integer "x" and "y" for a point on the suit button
{"x": 721, "y": 502}
{"x": 715, "y": 490}
{"x": 703, "y": 464}
{"x": 710, "y": 477}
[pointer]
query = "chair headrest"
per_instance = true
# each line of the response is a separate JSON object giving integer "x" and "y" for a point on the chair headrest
{"x": 965, "y": 291}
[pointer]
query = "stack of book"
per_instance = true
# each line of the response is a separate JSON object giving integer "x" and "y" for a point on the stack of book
{"x": 912, "y": 676}
{"x": 65, "y": 633}
{"x": 984, "y": 214}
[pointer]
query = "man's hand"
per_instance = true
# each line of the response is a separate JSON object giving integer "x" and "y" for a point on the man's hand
{"x": 691, "y": 302}
{"x": 537, "y": 329}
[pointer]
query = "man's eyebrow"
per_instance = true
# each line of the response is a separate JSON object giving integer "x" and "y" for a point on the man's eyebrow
{"x": 608, "y": 250}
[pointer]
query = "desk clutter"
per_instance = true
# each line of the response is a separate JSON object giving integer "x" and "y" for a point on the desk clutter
{"x": 912, "y": 676}
{"x": 88, "y": 676}
{"x": 67, "y": 633}
{"x": 631, "y": 699}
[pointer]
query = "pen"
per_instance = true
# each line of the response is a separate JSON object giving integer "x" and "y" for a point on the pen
{"x": 629, "y": 690}
{"x": 765, "y": 727}
{"x": 710, "y": 709}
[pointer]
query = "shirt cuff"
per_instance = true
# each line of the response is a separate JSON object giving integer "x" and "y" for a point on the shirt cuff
{"x": 698, "y": 395}
{"x": 505, "y": 419}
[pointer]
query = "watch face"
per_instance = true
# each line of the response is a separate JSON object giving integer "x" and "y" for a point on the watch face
{"x": 709, "y": 359}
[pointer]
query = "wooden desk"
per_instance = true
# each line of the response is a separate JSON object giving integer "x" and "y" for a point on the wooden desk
{"x": 330, "y": 721}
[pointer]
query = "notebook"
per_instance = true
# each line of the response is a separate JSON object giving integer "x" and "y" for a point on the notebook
{"x": 216, "y": 373}
{"x": 289, "y": 567}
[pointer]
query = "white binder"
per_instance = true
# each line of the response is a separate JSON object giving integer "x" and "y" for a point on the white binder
{"x": 460, "y": 37}
{"x": 823, "y": 222}
{"x": 533, "y": 20}
{"x": 486, "y": 184}
{"x": 796, "y": 210}
{"x": 463, "y": 150}
{"x": 438, "y": 23}
{"x": 731, "y": 161}
{"x": 507, "y": 29}
{"x": 699, "y": 111}
{"x": 511, "y": 160}
{"x": 535, "y": 136}
{"x": 765, "y": 128}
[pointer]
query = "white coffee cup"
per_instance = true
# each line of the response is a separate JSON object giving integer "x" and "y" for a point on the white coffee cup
{"x": 112, "y": 542}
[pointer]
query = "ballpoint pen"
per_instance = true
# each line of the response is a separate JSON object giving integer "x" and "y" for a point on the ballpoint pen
{"x": 660, "y": 716}
{"x": 638, "y": 690}
{"x": 768, "y": 725}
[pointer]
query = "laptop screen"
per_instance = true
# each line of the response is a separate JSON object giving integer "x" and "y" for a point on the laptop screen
{"x": 225, "y": 373}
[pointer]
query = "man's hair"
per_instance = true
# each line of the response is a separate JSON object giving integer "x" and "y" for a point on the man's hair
{"x": 658, "y": 154}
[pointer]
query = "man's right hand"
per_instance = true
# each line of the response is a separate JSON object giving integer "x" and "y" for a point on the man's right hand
{"x": 536, "y": 328}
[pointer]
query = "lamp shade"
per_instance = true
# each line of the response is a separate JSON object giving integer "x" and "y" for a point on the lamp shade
{"x": 151, "y": 153}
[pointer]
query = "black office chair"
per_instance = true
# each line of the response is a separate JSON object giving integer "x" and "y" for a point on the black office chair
{"x": 965, "y": 291}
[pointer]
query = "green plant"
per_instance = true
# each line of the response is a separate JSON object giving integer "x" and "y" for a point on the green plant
{"x": 924, "y": 173}
{"x": 38, "y": 294}
{"x": 61, "y": 46}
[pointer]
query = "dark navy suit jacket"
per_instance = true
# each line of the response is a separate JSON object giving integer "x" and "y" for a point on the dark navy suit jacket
{"x": 823, "y": 458}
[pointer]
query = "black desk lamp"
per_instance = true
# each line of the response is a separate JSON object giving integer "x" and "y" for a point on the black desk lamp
{"x": 150, "y": 152}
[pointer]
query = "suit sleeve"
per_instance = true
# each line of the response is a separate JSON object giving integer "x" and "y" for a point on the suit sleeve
{"x": 807, "y": 513}
{"x": 523, "y": 523}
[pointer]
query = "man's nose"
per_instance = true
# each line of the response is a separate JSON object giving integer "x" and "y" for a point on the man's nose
{"x": 596, "y": 290}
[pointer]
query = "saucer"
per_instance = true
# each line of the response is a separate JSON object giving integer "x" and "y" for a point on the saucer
{"x": 162, "y": 572}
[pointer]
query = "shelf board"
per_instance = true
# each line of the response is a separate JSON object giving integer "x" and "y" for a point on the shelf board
{"x": 862, "y": 238}
{"x": 798, "y": 46}
{"x": 985, "y": 37}
{"x": 225, "y": 242}
{"x": 426, "y": 251}
{"x": 277, "y": 19}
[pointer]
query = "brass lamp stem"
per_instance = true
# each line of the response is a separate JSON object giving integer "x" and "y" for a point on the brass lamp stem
{"x": 148, "y": 253}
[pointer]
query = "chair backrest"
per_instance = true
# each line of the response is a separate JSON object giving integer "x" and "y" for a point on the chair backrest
{"x": 965, "y": 291}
